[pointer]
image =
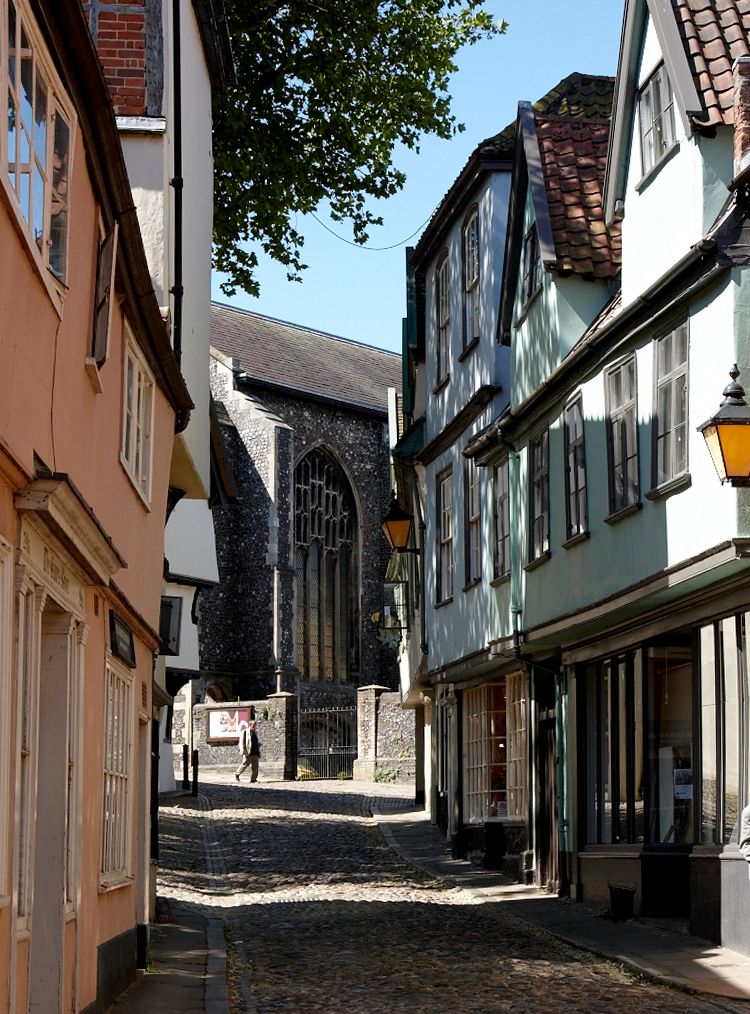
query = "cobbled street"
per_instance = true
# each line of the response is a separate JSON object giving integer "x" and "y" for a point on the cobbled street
{"x": 323, "y": 918}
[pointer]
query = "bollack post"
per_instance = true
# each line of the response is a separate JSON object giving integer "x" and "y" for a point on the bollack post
{"x": 195, "y": 772}
{"x": 185, "y": 768}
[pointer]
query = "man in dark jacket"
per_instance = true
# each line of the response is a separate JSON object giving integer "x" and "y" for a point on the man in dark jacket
{"x": 250, "y": 750}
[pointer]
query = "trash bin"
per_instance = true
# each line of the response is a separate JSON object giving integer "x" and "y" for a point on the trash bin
{"x": 621, "y": 899}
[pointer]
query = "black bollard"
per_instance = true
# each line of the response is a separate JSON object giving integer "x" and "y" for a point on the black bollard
{"x": 195, "y": 772}
{"x": 185, "y": 768}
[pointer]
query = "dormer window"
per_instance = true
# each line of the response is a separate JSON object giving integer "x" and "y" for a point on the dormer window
{"x": 443, "y": 317}
{"x": 531, "y": 265}
{"x": 656, "y": 108}
{"x": 471, "y": 279}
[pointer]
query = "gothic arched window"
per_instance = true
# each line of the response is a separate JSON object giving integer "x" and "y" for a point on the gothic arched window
{"x": 325, "y": 531}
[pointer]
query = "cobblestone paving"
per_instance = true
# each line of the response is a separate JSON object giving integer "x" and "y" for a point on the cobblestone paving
{"x": 325, "y": 919}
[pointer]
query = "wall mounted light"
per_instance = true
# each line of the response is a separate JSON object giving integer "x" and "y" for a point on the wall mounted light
{"x": 727, "y": 434}
{"x": 397, "y": 527}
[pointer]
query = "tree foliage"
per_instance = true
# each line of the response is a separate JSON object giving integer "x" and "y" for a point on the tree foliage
{"x": 325, "y": 91}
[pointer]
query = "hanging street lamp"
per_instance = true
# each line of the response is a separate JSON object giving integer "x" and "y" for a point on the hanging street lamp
{"x": 397, "y": 527}
{"x": 727, "y": 435}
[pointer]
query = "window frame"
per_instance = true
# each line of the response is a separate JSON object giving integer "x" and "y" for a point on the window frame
{"x": 113, "y": 874}
{"x": 444, "y": 538}
{"x": 473, "y": 521}
{"x": 531, "y": 266}
{"x": 57, "y": 103}
{"x": 501, "y": 519}
{"x": 613, "y": 418}
{"x": 575, "y": 494}
{"x": 6, "y": 684}
{"x": 539, "y": 478}
{"x": 645, "y": 94}
{"x": 471, "y": 272}
{"x": 442, "y": 319}
{"x": 670, "y": 379}
{"x": 137, "y": 465}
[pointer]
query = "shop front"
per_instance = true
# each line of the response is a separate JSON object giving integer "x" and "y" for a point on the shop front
{"x": 662, "y": 777}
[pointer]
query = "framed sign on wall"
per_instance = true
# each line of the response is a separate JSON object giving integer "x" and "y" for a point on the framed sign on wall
{"x": 223, "y": 725}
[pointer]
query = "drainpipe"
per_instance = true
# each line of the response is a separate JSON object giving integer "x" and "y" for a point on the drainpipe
{"x": 176, "y": 182}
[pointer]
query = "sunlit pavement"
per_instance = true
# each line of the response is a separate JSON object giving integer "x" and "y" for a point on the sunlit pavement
{"x": 323, "y": 916}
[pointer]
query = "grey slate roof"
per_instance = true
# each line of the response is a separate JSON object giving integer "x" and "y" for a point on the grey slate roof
{"x": 305, "y": 361}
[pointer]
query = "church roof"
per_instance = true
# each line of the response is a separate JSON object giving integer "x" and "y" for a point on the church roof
{"x": 302, "y": 361}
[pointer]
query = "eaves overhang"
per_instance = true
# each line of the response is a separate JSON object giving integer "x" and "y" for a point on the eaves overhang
{"x": 245, "y": 381}
{"x": 626, "y": 86}
{"x": 454, "y": 204}
{"x": 211, "y": 16}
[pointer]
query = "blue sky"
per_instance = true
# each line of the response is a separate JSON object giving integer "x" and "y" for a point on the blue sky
{"x": 360, "y": 293}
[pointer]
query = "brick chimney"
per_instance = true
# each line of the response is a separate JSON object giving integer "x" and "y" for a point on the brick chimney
{"x": 119, "y": 32}
{"x": 741, "y": 74}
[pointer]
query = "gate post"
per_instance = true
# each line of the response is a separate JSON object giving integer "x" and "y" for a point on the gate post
{"x": 279, "y": 751}
{"x": 367, "y": 732}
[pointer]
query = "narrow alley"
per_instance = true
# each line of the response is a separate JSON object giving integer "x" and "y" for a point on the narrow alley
{"x": 322, "y": 916}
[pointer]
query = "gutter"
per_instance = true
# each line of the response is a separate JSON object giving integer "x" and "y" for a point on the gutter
{"x": 637, "y": 315}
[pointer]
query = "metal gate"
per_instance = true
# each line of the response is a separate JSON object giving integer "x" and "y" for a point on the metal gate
{"x": 326, "y": 742}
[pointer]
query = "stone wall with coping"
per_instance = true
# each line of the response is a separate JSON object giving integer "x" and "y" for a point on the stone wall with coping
{"x": 386, "y": 738}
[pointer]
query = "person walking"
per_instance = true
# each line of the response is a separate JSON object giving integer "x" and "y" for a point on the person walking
{"x": 250, "y": 750}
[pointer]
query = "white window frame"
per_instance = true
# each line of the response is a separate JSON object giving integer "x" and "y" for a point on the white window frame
{"x": 442, "y": 316}
{"x": 575, "y": 470}
{"x": 539, "y": 505}
{"x": 444, "y": 520}
{"x": 6, "y": 681}
{"x": 118, "y": 783}
{"x": 473, "y": 501}
{"x": 502, "y": 518}
{"x": 41, "y": 165}
{"x": 622, "y": 437}
{"x": 137, "y": 419}
{"x": 487, "y": 737}
{"x": 670, "y": 387}
{"x": 656, "y": 117}
{"x": 471, "y": 279}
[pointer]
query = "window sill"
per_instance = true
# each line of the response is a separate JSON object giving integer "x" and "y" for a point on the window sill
{"x": 445, "y": 602}
{"x": 624, "y": 512}
{"x": 520, "y": 821}
{"x": 671, "y": 487}
{"x": 105, "y": 886}
{"x": 441, "y": 384}
{"x": 576, "y": 540}
{"x": 93, "y": 374}
{"x": 644, "y": 181}
{"x": 538, "y": 562}
{"x": 134, "y": 484}
{"x": 468, "y": 350}
{"x": 525, "y": 311}
{"x": 471, "y": 584}
{"x": 503, "y": 579}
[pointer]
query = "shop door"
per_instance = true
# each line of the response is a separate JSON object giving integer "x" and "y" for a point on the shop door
{"x": 547, "y": 838}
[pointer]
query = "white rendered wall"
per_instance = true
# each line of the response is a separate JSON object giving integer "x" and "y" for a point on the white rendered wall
{"x": 189, "y": 541}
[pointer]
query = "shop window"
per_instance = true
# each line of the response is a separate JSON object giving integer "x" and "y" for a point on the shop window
{"x": 35, "y": 141}
{"x": 614, "y": 756}
{"x": 670, "y": 426}
{"x": 494, "y": 731}
{"x": 724, "y": 701}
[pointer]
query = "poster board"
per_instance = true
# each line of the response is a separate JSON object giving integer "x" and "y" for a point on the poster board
{"x": 223, "y": 725}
